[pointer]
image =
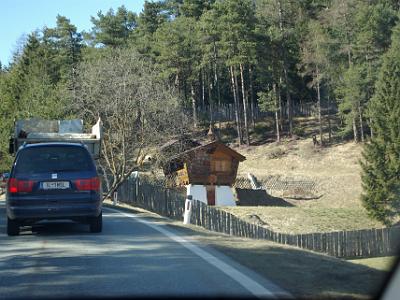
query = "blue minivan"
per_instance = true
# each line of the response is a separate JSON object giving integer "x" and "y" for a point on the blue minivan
{"x": 51, "y": 181}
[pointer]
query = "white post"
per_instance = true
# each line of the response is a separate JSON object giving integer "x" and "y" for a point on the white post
{"x": 115, "y": 198}
{"x": 188, "y": 210}
{"x": 253, "y": 182}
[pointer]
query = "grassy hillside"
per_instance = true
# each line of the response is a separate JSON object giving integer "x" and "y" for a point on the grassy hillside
{"x": 334, "y": 169}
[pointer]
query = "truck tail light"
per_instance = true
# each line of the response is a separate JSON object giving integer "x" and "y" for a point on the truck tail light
{"x": 92, "y": 184}
{"x": 20, "y": 186}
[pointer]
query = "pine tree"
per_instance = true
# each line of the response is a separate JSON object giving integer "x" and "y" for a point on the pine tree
{"x": 179, "y": 57}
{"x": 352, "y": 96}
{"x": 237, "y": 21}
{"x": 381, "y": 158}
{"x": 112, "y": 29}
{"x": 315, "y": 61}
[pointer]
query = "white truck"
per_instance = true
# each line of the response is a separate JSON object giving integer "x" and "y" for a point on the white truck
{"x": 41, "y": 131}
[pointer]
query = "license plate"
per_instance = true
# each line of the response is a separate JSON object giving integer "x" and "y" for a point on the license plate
{"x": 55, "y": 185}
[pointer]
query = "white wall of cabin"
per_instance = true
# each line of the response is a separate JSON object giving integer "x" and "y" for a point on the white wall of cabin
{"x": 223, "y": 194}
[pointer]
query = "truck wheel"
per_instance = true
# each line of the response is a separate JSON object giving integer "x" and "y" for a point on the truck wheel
{"x": 96, "y": 224}
{"x": 12, "y": 227}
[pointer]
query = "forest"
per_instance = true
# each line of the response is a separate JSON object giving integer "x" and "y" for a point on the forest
{"x": 181, "y": 65}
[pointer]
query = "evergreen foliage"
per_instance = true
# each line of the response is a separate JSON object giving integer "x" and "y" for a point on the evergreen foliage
{"x": 242, "y": 60}
{"x": 381, "y": 157}
{"x": 112, "y": 29}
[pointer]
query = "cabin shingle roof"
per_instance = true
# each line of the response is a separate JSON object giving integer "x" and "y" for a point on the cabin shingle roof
{"x": 211, "y": 145}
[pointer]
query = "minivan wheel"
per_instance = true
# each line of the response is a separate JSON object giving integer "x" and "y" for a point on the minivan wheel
{"x": 96, "y": 224}
{"x": 12, "y": 227}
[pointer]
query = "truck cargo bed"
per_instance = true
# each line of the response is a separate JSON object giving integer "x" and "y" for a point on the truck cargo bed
{"x": 45, "y": 131}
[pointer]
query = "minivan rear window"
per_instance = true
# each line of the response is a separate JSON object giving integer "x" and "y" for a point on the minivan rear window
{"x": 53, "y": 159}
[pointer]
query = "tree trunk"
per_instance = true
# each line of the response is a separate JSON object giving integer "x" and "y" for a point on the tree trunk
{"x": 361, "y": 122}
{"x": 185, "y": 92}
{"x": 280, "y": 104}
{"x": 106, "y": 179}
{"x": 252, "y": 102}
{"x": 235, "y": 99}
{"x": 216, "y": 81}
{"x": 319, "y": 107}
{"x": 210, "y": 101}
{"x": 278, "y": 136}
{"x": 329, "y": 120}
{"x": 370, "y": 128}
{"x": 288, "y": 104}
{"x": 355, "y": 133}
{"x": 239, "y": 107}
{"x": 203, "y": 92}
{"x": 289, "y": 108}
{"x": 244, "y": 98}
{"x": 118, "y": 180}
{"x": 194, "y": 108}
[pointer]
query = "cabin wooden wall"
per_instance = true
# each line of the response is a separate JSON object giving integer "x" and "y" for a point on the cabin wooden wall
{"x": 201, "y": 165}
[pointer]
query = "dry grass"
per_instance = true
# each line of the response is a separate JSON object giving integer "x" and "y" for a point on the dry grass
{"x": 305, "y": 274}
{"x": 380, "y": 263}
{"x": 300, "y": 219}
{"x": 336, "y": 171}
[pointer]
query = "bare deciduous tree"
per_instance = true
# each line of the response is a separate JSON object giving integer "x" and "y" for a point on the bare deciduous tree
{"x": 136, "y": 108}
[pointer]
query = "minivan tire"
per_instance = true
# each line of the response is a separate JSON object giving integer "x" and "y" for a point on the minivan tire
{"x": 12, "y": 227}
{"x": 96, "y": 224}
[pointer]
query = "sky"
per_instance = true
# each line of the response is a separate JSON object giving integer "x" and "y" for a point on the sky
{"x": 21, "y": 17}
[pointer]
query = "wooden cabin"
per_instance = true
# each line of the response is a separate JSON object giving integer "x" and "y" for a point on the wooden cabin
{"x": 212, "y": 164}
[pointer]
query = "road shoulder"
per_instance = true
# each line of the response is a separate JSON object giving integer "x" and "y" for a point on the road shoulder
{"x": 302, "y": 273}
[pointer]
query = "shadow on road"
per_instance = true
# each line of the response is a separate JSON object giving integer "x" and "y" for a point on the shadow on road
{"x": 127, "y": 259}
{"x": 130, "y": 253}
{"x": 303, "y": 273}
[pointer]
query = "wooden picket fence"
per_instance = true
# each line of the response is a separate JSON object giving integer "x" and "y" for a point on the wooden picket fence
{"x": 343, "y": 244}
{"x": 152, "y": 197}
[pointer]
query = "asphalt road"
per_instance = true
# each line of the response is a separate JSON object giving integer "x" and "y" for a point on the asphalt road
{"x": 133, "y": 256}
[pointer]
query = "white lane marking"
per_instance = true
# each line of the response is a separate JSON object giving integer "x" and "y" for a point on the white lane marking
{"x": 249, "y": 284}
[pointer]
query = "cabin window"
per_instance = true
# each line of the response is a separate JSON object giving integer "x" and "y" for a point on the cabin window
{"x": 220, "y": 165}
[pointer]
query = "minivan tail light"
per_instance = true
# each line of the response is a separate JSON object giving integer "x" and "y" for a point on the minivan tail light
{"x": 92, "y": 184}
{"x": 13, "y": 185}
{"x": 20, "y": 186}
